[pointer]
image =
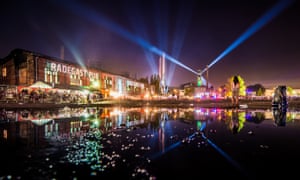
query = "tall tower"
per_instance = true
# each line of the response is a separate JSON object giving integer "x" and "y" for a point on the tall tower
{"x": 162, "y": 74}
{"x": 199, "y": 79}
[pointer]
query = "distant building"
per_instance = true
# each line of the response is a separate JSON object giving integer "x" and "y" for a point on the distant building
{"x": 198, "y": 91}
{"x": 188, "y": 88}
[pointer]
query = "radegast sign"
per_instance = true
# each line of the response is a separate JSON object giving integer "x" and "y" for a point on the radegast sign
{"x": 69, "y": 69}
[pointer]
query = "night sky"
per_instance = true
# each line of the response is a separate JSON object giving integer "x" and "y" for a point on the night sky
{"x": 119, "y": 36}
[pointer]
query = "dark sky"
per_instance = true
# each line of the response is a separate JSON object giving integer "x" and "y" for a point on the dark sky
{"x": 117, "y": 36}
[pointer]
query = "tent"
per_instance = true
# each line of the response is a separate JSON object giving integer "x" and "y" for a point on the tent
{"x": 41, "y": 122}
{"x": 40, "y": 84}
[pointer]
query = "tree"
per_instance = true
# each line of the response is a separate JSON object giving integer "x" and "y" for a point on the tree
{"x": 155, "y": 81}
{"x": 257, "y": 88}
{"x": 144, "y": 80}
{"x": 260, "y": 92}
{"x": 289, "y": 91}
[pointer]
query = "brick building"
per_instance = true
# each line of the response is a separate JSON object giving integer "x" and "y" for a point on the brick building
{"x": 23, "y": 68}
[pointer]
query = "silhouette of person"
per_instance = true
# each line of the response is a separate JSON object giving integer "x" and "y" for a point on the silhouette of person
{"x": 235, "y": 91}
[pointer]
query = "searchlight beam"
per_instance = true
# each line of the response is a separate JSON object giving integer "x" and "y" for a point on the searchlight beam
{"x": 101, "y": 20}
{"x": 267, "y": 17}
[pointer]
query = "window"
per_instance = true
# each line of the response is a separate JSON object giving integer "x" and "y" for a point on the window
{"x": 75, "y": 80}
{"x": 23, "y": 76}
{"x": 51, "y": 77}
{"x": 4, "y": 73}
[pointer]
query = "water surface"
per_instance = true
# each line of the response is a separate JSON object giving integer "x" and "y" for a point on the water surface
{"x": 149, "y": 143}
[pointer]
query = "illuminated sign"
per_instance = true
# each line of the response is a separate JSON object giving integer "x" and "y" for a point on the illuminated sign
{"x": 69, "y": 69}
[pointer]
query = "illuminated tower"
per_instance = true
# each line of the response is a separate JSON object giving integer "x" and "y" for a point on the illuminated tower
{"x": 162, "y": 74}
{"x": 199, "y": 79}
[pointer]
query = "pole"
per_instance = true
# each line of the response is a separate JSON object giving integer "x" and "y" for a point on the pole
{"x": 207, "y": 77}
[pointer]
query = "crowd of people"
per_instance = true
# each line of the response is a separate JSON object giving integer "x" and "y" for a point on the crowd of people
{"x": 38, "y": 95}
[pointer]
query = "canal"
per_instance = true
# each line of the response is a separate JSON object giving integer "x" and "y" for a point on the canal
{"x": 149, "y": 143}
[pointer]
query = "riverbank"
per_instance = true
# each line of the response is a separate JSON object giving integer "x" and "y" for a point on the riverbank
{"x": 251, "y": 104}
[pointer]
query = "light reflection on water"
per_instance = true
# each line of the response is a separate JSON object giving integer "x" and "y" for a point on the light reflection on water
{"x": 133, "y": 142}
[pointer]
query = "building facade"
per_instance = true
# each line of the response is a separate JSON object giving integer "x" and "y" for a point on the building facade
{"x": 22, "y": 68}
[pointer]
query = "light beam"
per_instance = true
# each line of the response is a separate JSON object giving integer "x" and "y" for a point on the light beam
{"x": 101, "y": 20}
{"x": 267, "y": 17}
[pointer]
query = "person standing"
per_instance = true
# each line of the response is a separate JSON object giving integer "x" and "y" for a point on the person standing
{"x": 235, "y": 90}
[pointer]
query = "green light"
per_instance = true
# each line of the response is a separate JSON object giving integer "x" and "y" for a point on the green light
{"x": 95, "y": 84}
{"x": 199, "y": 81}
{"x": 199, "y": 124}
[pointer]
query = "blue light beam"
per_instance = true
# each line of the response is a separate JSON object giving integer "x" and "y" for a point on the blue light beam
{"x": 267, "y": 17}
{"x": 161, "y": 23}
{"x": 137, "y": 22}
{"x": 74, "y": 51}
{"x": 101, "y": 20}
{"x": 170, "y": 58}
{"x": 224, "y": 154}
{"x": 182, "y": 22}
{"x": 169, "y": 148}
{"x": 218, "y": 149}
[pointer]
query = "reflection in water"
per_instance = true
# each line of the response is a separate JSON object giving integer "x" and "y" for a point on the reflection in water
{"x": 279, "y": 116}
{"x": 234, "y": 123}
{"x": 224, "y": 154}
{"x": 88, "y": 150}
{"x": 161, "y": 130}
{"x": 258, "y": 117}
{"x": 129, "y": 138}
{"x": 235, "y": 119}
{"x": 70, "y": 121}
